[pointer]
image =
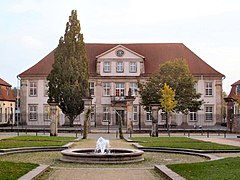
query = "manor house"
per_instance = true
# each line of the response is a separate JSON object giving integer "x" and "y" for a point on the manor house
{"x": 116, "y": 68}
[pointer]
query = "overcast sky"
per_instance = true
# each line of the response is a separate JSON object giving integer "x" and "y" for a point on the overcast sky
{"x": 30, "y": 29}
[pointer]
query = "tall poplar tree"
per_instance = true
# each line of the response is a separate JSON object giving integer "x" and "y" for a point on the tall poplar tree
{"x": 68, "y": 80}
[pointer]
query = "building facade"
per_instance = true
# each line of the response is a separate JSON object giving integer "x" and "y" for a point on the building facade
{"x": 115, "y": 73}
{"x": 233, "y": 108}
{"x": 7, "y": 104}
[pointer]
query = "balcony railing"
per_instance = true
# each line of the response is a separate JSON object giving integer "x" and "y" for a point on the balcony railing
{"x": 118, "y": 98}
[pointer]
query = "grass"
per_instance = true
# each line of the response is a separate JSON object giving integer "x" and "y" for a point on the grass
{"x": 13, "y": 170}
{"x": 181, "y": 142}
{"x": 227, "y": 168}
{"x": 33, "y": 141}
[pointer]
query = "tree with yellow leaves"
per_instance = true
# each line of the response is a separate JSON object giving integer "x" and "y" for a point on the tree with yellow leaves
{"x": 167, "y": 101}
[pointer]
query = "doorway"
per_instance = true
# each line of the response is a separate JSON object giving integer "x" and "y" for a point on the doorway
{"x": 119, "y": 116}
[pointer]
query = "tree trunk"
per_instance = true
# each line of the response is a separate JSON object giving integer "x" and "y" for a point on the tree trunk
{"x": 85, "y": 123}
{"x": 120, "y": 128}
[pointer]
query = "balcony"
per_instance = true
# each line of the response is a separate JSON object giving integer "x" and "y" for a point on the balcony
{"x": 118, "y": 99}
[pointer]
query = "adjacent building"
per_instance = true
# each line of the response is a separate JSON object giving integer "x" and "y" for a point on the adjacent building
{"x": 233, "y": 108}
{"x": 7, "y": 104}
{"x": 115, "y": 73}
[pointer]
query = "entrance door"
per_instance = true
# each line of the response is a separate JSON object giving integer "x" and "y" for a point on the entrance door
{"x": 119, "y": 116}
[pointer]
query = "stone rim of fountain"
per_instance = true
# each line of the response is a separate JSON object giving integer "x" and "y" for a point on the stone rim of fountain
{"x": 87, "y": 156}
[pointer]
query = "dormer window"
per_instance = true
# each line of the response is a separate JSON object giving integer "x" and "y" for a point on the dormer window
{"x": 106, "y": 67}
{"x": 119, "y": 67}
{"x": 238, "y": 89}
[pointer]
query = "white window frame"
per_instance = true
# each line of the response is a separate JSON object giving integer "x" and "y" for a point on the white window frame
{"x": 135, "y": 113}
{"x": 106, "y": 114}
{"x": 32, "y": 88}
{"x": 133, "y": 67}
{"x": 134, "y": 88}
{"x": 208, "y": 88}
{"x": 119, "y": 89}
{"x": 106, "y": 67}
{"x": 163, "y": 116}
{"x": 192, "y": 116}
{"x": 106, "y": 89}
{"x": 46, "y": 113}
{"x": 208, "y": 113}
{"x": 119, "y": 67}
{"x": 32, "y": 112}
{"x": 149, "y": 115}
{"x": 91, "y": 88}
{"x": 1, "y": 114}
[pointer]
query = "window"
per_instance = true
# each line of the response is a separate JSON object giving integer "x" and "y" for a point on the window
{"x": 149, "y": 115}
{"x": 195, "y": 87}
{"x": 32, "y": 89}
{"x": 0, "y": 89}
{"x": 92, "y": 114}
{"x": 106, "y": 114}
{"x": 134, "y": 89}
{"x": 106, "y": 89}
{"x": 6, "y": 115}
{"x": 91, "y": 88}
{"x": 135, "y": 113}
{"x": 46, "y": 88}
{"x": 106, "y": 67}
{"x": 133, "y": 67}
{"x": 163, "y": 115}
{"x": 208, "y": 88}
{"x": 32, "y": 112}
{"x": 46, "y": 113}
{"x": 193, "y": 116}
{"x": 0, "y": 114}
{"x": 119, "y": 89}
{"x": 238, "y": 89}
{"x": 119, "y": 67}
{"x": 208, "y": 113}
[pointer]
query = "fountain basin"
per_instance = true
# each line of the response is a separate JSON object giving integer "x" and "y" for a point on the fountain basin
{"x": 116, "y": 155}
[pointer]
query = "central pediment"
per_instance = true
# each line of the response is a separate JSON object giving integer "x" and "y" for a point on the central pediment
{"x": 120, "y": 52}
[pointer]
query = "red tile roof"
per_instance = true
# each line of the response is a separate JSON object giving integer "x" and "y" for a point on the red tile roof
{"x": 3, "y": 91}
{"x": 232, "y": 94}
{"x": 154, "y": 53}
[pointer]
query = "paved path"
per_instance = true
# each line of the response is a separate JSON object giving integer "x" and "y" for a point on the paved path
{"x": 227, "y": 141}
{"x": 106, "y": 173}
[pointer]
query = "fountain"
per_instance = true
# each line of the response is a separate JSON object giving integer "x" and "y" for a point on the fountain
{"x": 102, "y": 154}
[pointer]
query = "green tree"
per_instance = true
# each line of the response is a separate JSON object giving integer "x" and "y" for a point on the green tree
{"x": 68, "y": 80}
{"x": 167, "y": 101}
{"x": 177, "y": 75}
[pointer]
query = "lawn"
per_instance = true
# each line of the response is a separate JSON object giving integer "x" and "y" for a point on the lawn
{"x": 227, "y": 168}
{"x": 33, "y": 141}
{"x": 181, "y": 142}
{"x": 13, "y": 170}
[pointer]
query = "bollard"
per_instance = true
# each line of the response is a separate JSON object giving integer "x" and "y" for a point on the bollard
{"x": 36, "y": 133}
{"x": 26, "y": 131}
{"x": 184, "y": 132}
{"x": 202, "y": 132}
{"x": 225, "y": 134}
{"x": 208, "y": 134}
{"x": 44, "y": 130}
{"x": 218, "y": 132}
{"x": 188, "y": 133}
